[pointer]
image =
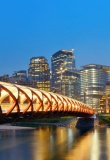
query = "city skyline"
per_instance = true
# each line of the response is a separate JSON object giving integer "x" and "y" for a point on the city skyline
{"x": 33, "y": 28}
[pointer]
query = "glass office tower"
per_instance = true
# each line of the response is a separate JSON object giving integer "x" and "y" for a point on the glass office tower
{"x": 70, "y": 84}
{"x": 93, "y": 79}
{"x": 39, "y": 72}
{"x": 64, "y": 76}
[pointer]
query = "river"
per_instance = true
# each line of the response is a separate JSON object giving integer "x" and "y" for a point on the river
{"x": 54, "y": 143}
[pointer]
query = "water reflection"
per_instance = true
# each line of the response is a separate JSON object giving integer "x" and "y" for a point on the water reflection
{"x": 100, "y": 145}
{"x": 108, "y": 142}
{"x": 55, "y": 143}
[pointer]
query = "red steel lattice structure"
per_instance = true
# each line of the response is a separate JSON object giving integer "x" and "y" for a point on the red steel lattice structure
{"x": 22, "y": 99}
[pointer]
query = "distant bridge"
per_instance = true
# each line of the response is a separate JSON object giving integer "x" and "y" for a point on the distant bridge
{"x": 18, "y": 101}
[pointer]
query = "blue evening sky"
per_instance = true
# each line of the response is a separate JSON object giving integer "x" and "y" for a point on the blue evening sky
{"x": 31, "y": 28}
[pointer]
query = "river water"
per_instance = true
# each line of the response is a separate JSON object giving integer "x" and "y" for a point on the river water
{"x": 54, "y": 143}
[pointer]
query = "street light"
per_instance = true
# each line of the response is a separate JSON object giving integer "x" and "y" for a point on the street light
{"x": 84, "y": 97}
{"x": 85, "y": 89}
{"x": 61, "y": 78}
{"x": 92, "y": 101}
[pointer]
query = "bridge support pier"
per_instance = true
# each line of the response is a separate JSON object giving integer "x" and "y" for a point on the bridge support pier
{"x": 83, "y": 123}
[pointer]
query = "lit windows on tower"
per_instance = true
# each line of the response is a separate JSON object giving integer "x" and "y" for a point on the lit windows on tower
{"x": 39, "y": 72}
{"x": 63, "y": 69}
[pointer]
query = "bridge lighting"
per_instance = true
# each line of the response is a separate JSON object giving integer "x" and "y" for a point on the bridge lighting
{"x": 27, "y": 100}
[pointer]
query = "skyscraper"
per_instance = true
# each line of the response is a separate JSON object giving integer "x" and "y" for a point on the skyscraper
{"x": 39, "y": 72}
{"x": 93, "y": 79}
{"x": 63, "y": 72}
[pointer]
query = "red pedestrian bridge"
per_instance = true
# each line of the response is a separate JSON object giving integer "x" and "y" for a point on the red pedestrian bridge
{"x": 18, "y": 101}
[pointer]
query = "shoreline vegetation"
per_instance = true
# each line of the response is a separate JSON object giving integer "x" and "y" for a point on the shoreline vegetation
{"x": 59, "y": 121}
{"x": 102, "y": 120}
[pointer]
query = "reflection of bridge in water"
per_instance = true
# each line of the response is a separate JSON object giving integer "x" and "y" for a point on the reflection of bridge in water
{"x": 21, "y": 102}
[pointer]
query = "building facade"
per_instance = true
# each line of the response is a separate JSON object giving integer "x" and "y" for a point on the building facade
{"x": 22, "y": 74}
{"x": 105, "y": 99}
{"x": 64, "y": 77}
{"x": 39, "y": 72}
{"x": 70, "y": 84}
{"x": 93, "y": 79}
{"x": 19, "y": 78}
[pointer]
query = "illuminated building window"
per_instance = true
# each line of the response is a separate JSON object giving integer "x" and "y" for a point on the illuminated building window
{"x": 64, "y": 76}
{"x": 39, "y": 71}
{"x": 93, "y": 80}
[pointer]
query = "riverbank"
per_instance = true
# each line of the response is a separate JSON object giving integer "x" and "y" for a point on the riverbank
{"x": 101, "y": 121}
{"x": 104, "y": 119}
{"x": 11, "y": 127}
{"x": 61, "y": 122}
